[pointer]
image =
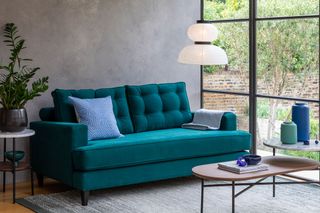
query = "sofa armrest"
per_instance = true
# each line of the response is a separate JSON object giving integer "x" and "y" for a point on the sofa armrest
{"x": 52, "y": 145}
{"x": 229, "y": 121}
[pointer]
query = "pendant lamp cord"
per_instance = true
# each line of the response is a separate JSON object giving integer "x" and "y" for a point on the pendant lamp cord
{"x": 201, "y": 10}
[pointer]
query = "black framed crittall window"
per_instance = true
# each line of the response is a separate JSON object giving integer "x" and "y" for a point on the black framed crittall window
{"x": 273, "y": 51}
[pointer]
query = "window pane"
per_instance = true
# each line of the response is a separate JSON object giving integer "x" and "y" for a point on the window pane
{"x": 288, "y": 58}
{"x": 271, "y": 113}
{"x": 222, "y": 9}
{"x": 267, "y": 8}
{"x": 233, "y": 37}
{"x": 237, "y": 104}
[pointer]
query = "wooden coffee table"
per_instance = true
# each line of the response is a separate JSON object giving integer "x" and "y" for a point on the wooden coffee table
{"x": 277, "y": 166}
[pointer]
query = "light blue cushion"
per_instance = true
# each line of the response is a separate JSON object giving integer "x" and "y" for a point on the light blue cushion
{"x": 98, "y": 115}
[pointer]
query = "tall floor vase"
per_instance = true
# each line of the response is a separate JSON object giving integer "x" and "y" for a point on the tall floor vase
{"x": 301, "y": 117}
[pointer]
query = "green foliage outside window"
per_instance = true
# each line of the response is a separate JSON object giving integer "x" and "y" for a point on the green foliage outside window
{"x": 282, "y": 45}
{"x": 284, "y": 48}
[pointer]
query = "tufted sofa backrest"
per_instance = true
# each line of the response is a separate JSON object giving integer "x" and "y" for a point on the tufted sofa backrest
{"x": 136, "y": 108}
{"x": 64, "y": 110}
{"x": 158, "y": 106}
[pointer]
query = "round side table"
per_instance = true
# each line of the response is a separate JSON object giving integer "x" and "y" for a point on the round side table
{"x": 275, "y": 143}
{"x": 6, "y": 166}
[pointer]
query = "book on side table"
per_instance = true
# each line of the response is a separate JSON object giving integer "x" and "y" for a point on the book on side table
{"x": 232, "y": 166}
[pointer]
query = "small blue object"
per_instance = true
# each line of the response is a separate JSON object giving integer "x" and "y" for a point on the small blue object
{"x": 306, "y": 142}
{"x": 252, "y": 159}
{"x": 241, "y": 162}
{"x": 316, "y": 141}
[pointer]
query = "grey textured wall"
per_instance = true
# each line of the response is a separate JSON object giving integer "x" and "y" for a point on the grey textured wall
{"x": 104, "y": 43}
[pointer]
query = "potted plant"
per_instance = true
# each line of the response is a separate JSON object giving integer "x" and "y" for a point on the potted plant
{"x": 15, "y": 87}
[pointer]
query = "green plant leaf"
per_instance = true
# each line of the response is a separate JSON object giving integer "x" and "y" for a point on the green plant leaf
{"x": 14, "y": 89}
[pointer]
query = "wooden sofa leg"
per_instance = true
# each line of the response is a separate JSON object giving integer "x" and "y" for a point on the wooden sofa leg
{"x": 84, "y": 197}
{"x": 40, "y": 180}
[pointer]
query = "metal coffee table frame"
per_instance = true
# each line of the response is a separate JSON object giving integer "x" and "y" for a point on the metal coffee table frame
{"x": 249, "y": 185}
{"x": 233, "y": 184}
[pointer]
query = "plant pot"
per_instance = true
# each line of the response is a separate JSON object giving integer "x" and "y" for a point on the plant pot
{"x": 13, "y": 120}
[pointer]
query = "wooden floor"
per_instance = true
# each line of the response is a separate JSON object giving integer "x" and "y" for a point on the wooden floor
{"x": 24, "y": 190}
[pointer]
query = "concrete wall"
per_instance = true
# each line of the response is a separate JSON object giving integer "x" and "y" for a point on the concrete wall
{"x": 104, "y": 43}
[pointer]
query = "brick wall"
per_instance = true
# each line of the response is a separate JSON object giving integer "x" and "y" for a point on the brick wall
{"x": 237, "y": 81}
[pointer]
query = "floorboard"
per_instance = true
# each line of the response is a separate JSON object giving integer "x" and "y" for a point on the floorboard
{"x": 24, "y": 190}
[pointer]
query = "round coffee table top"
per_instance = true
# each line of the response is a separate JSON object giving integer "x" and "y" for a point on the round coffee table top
{"x": 276, "y": 143}
{"x": 277, "y": 165}
{"x": 23, "y": 134}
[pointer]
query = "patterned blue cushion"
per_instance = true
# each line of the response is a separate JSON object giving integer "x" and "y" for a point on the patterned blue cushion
{"x": 98, "y": 115}
{"x": 64, "y": 110}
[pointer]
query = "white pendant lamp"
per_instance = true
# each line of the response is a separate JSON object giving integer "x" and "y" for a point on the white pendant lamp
{"x": 202, "y": 32}
{"x": 203, "y": 52}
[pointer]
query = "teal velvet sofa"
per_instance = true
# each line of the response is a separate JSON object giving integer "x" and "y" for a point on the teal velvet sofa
{"x": 154, "y": 147}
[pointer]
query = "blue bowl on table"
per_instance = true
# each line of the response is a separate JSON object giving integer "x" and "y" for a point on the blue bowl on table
{"x": 18, "y": 157}
{"x": 252, "y": 159}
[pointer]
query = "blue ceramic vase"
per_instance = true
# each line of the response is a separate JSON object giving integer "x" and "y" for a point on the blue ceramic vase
{"x": 300, "y": 116}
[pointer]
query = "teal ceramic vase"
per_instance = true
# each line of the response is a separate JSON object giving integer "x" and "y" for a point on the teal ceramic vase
{"x": 289, "y": 133}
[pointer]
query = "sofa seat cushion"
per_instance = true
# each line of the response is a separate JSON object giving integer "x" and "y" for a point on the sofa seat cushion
{"x": 158, "y": 106}
{"x": 157, "y": 146}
